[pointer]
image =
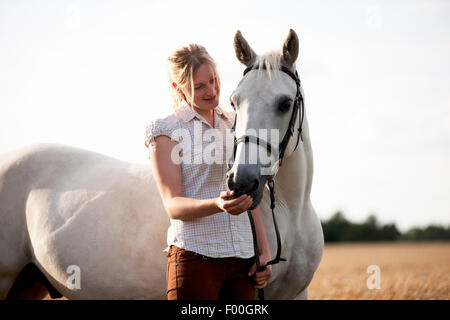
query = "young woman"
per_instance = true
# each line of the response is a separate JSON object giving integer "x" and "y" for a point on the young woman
{"x": 210, "y": 244}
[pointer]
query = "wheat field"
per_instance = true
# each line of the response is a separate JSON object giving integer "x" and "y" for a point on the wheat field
{"x": 407, "y": 271}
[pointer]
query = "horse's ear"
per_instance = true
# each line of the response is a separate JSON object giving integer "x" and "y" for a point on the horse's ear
{"x": 290, "y": 48}
{"x": 244, "y": 52}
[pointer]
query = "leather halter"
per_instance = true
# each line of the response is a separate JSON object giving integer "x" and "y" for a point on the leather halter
{"x": 298, "y": 104}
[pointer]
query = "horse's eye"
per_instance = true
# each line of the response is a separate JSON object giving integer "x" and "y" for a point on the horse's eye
{"x": 284, "y": 106}
{"x": 232, "y": 104}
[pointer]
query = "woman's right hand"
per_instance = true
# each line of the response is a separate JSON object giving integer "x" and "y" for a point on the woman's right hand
{"x": 233, "y": 206}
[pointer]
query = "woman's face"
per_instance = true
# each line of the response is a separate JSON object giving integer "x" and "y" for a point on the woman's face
{"x": 206, "y": 88}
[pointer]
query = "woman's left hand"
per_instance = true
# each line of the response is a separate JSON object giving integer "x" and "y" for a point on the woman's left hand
{"x": 262, "y": 277}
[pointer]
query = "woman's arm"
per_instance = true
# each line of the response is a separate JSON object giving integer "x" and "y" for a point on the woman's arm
{"x": 263, "y": 244}
{"x": 264, "y": 250}
{"x": 167, "y": 174}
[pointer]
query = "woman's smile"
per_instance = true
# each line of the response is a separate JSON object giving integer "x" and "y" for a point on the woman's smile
{"x": 210, "y": 99}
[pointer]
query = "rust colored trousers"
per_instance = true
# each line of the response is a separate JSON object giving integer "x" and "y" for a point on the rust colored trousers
{"x": 191, "y": 276}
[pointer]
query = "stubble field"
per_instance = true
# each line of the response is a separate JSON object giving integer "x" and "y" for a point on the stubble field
{"x": 406, "y": 271}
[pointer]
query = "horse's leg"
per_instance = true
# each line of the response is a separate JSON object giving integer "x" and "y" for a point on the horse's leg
{"x": 13, "y": 253}
{"x": 6, "y": 282}
{"x": 11, "y": 269}
{"x": 11, "y": 264}
{"x": 30, "y": 284}
{"x": 303, "y": 295}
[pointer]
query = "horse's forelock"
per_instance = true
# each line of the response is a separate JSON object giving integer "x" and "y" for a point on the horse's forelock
{"x": 270, "y": 63}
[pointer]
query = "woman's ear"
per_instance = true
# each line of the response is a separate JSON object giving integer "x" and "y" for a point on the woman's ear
{"x": 179, "y": 90}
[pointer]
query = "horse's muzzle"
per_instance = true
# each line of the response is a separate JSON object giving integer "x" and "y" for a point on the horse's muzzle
{"x": 246, "y": 179}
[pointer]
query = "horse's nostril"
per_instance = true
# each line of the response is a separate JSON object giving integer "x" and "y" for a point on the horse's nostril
{"x": 230, "y": 181}
{"x": 255, "y": 185}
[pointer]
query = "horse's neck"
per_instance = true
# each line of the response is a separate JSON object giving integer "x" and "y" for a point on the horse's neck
{"x": 294, "y": 178}
{"x": 292, "y": 197}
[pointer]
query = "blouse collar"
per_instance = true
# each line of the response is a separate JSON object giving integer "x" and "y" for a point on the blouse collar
{"x": 187, "y": 113}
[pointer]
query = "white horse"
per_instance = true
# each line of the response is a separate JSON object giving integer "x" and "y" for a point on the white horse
{"x": 264, "y": 100}
{"x": 86, "y": 226}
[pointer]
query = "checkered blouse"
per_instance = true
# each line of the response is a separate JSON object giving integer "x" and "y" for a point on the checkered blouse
{"x": 218, "y": 235}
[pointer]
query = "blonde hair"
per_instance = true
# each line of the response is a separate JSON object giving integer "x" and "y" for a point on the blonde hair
{"x": 183, "y": 64}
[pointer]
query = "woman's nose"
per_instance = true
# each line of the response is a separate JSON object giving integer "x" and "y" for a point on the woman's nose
{"x": 212, "y": 89}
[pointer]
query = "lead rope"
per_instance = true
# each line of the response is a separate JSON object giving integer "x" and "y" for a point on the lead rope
{"x": 259, "y": 268}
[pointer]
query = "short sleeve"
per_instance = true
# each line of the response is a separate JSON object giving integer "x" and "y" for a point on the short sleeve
{"x": 157, "y": 128}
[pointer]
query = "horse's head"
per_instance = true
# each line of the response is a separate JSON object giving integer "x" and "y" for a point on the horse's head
{"x": 265, "y": 107}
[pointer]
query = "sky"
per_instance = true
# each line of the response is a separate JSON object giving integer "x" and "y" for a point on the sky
{"x": 376, "y": 77}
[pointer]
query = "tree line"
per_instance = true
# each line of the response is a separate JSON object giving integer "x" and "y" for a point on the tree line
{"x": 338, "y": 228}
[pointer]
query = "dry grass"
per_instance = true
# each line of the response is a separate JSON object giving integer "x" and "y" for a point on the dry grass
{"x": 408, "y": 271}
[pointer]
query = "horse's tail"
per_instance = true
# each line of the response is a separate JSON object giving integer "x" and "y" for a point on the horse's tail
{"x": 19, "y": 172}
{"x": 14, "y": 240}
